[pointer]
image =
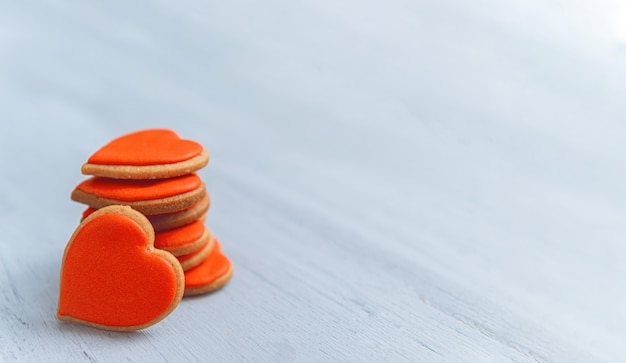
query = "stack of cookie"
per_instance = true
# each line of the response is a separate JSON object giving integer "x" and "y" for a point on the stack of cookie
{"x": 153, "y": 172}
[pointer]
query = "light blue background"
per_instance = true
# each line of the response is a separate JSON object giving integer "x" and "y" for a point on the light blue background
{"x": 393, "y": 180}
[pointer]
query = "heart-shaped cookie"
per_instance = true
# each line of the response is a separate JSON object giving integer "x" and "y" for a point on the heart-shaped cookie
{"x": 147, "y": 154}
{"x": 195, "y": 258}
{"x": 183, "y": 240}
{"x": 165, "y": 222}
{"x": 113, "y": 278}
{"x": 172, "y": 220}
{"x": 211, "y": 274}
{"x": 150, "y": 197}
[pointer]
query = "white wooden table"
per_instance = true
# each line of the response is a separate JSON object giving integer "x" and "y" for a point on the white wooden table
{"x": 393, "y": 180}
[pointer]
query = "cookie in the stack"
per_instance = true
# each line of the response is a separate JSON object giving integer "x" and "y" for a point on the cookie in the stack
{"x": 190, "y": 244}
{"x": 150, "y": 197}
{"x": 147, "y": 154}
{"x": 172, "y": 220}
{"x": 211, "y": 274}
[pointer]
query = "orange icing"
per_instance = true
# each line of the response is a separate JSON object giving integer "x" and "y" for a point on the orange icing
{"x": 89, "y": 211}
{"x": 146, "y": 147}
{"x": 109, "y": 276}
{"x": 135, "y": 190}
{"x": 180, "y": 236}
{"x": 212, "y": 268}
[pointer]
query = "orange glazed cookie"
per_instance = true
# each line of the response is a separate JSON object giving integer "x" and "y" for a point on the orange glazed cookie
{"x": 112, "y": 277}
{"x": 146, "y": 196}
{"x": 193, "y": 259}
{"x": 147, "y": 154}
{"x": 183, "y": 240}
{"x": 164, "y": 222}
{"x": 214, "y": 272}
{"x": 168, "y": 221}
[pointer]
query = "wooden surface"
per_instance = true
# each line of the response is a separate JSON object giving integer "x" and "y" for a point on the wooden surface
{"x": 393, "y": 180}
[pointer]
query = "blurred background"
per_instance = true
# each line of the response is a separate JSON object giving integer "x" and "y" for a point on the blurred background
{"x": 481, "y": 141}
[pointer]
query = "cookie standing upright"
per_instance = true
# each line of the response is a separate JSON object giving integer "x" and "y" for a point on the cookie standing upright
{"x": 113, "y": 278}
{"x": 147, "y": 154}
